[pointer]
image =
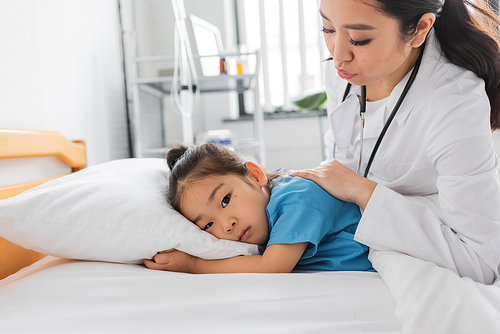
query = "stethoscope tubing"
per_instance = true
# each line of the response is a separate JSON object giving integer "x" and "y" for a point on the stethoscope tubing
{"x": 362, "y": 102}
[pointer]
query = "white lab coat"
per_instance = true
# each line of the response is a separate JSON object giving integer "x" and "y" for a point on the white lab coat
{"x": 438, "y": 192}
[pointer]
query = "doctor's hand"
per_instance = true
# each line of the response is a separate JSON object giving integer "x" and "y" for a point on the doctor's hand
{"x": 172, "y": 260}
{"x": 341, "y": 182}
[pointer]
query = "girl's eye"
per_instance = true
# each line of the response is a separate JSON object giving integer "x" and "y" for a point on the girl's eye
{"x": 209, "y": 225}
{"x": 359, "y": 43}
{"x": 327, "y": 31}
{"x": 225, "y": 200}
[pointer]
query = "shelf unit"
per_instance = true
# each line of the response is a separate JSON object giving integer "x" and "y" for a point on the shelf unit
{"x": 207, "y": 84}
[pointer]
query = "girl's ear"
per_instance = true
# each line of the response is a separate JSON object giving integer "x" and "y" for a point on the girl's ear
{"x": 256, "y": 173}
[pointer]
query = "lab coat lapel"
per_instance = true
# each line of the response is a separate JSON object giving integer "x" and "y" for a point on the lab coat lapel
{"x": 375, "y": 121}
{"x": 343, "y": 119}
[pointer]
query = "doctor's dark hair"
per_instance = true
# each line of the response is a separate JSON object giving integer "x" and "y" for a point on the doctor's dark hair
{"x": 187, "y": 166}
{"x": 468, "y": 32}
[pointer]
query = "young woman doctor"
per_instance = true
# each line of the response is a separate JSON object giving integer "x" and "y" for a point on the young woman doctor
{"x": 431, "y": 189}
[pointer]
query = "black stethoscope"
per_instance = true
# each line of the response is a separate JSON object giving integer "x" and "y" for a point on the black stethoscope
{"x": 362, "y": 109}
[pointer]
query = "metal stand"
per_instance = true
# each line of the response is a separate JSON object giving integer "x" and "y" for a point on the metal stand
{"x": 185, "y": 84}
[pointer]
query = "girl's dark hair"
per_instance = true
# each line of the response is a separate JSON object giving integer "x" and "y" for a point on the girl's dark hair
{"x": 468, "y": 32}
{"x": 190, "y": 165}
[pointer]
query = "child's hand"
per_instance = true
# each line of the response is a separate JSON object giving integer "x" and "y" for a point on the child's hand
{"x": 172, "y": 260}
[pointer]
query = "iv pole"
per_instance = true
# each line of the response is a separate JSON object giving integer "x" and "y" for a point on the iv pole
{"x": 184, "y": 68}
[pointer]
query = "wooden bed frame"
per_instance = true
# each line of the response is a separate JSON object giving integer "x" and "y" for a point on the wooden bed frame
{"x": 24, "y": 144}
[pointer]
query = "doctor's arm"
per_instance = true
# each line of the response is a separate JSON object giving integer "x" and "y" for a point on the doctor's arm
{"x": 456, "y": 223}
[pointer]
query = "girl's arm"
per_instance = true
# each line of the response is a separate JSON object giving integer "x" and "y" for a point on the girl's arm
{"x": 280, "y": 258}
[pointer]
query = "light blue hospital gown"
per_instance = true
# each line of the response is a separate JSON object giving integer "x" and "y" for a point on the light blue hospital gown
{"x": 301, "y": 211}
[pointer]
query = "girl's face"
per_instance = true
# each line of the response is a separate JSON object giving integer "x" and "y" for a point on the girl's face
{"x": 364, "y": 43}
{"x": 230, "y": 207}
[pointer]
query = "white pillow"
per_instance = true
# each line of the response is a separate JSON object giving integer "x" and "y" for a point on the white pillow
{"x": 114, "y": 212}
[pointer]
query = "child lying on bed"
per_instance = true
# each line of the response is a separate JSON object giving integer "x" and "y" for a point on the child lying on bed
{"x": 301, "y": 225}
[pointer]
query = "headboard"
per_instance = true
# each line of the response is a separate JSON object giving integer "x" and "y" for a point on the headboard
{"x": 25, "y": 144}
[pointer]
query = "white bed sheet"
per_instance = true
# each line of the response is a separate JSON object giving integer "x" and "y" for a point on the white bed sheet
{"x": 407, "y": 295}
{"x": 70, "y": 296}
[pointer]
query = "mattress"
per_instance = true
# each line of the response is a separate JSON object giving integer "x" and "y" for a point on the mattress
{"x": 67, "y": 296}
{"x": 406, "y": 295}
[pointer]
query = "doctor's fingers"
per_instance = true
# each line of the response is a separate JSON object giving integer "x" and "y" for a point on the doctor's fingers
{"x": 322, "y": 176}
{"x": 328, "y": 170}
{"x": 335, "y": 178}
{"x": 309, "y": 174}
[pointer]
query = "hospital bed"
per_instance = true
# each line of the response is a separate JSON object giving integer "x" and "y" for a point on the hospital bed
{"x": 97, "y": 223}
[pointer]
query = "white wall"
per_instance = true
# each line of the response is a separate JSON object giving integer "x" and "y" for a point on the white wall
{"x": 61, "y": 70}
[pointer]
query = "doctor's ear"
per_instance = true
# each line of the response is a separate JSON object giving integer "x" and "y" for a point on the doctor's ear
{"x": 423, "y": 27}
{"x": 256, "y": 173}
